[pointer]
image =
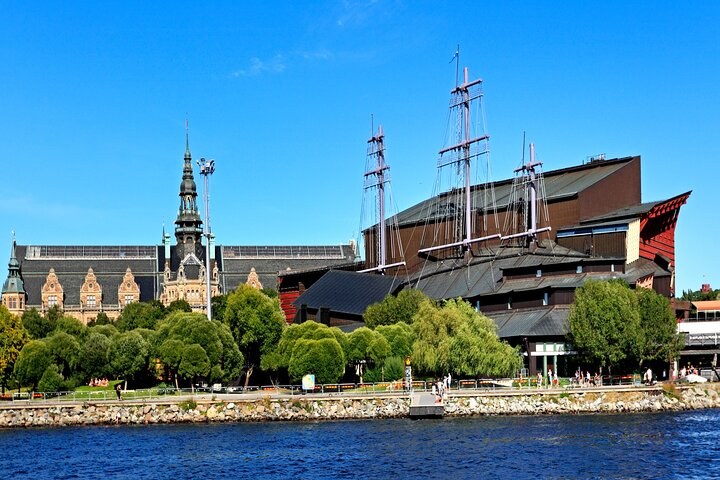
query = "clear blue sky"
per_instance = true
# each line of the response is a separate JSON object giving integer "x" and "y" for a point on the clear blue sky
{"x": 94, "y": 97}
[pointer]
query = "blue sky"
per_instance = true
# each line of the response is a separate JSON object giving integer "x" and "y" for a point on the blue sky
{"x": 95, "y": 95}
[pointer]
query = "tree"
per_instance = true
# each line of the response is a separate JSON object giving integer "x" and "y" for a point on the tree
{"x": 394, "y": 309}
{"x": 256, "y": 322}
{"x": 94, "y": 355}
{"x": 605, "y": 322}
{"x": 281, "y": 355}
{"x": 475, "y": 349}
{"x": 170, "y": 353}
{"x": 659, "y": 339}
{"x": 456, "y": 338}
{"x": 218, "y": 306}
{"x": 70, "y": 325}
{"x": 30, "y": 365}
{"x": 194, "y": 363}
{"x": 324, "y": 358}
{"x": 140, "y": 315}
{"x": 101, "y": 319}
{"x": 179, "y": 306}
{"x": 129, "y": 354}
{"x": 65, "y": 350}
{"x": 399, "y": 336}
{"x": 214, "y": 337}
{"x": 365, "y": 346}
{"x": 37, "y": 325}
{"x": 51, "y": 380}
{"x": 13, "y": 337}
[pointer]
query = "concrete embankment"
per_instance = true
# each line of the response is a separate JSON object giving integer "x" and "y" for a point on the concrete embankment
{"x": 325, "y": 407}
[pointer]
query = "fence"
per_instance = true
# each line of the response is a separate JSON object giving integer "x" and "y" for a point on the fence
{"x": 481, "y": 385}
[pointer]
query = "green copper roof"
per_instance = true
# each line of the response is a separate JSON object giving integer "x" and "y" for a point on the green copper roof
{"x": 13, "y": 282}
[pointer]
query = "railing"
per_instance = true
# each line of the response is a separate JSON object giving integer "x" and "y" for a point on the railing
{"x": 463, "y": 385}
{"x": 700, "y": 339}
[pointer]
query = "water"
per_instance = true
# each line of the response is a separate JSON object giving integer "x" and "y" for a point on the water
{"x": 662, "y": 445}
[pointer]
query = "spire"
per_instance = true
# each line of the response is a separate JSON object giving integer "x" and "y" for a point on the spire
{"x": 187, "y": 140}
{"x": 14, "y": 282}
{"x": 188, "y": 226}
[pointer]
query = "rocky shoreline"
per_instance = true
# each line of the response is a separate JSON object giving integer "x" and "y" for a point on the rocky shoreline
{"x": 311, "y": 408}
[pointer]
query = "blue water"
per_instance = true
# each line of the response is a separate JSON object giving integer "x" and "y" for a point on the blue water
{"x": 664, "y": 445}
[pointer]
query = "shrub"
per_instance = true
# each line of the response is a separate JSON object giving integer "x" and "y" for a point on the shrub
{"x": 51, "y": 380}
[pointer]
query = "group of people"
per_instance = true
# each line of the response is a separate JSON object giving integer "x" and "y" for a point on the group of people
{"x": 552, "y": 379}
{"x": 441, "y": 386}
{"x": 97, "y": 382}
{"x": 587, "y": 379}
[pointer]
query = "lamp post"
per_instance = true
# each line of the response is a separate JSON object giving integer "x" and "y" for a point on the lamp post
{"x": 206, "y": 169}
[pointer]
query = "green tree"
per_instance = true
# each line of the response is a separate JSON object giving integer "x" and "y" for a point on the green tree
{"x": 394, "y": 309}
{"x": 102, "y": 319}
{"x": 32, "y": 362}
{"x": 475, "y": 349}
{"x": 179, "y": 306}
{"x": 605, "y": 322}
{"x": 108, "y": 330}
{"x": 194, "y": 363}
{"x": 140, "y": 315}
{"x": 659, "y": 339}
{"x": 324, "y": 358}
{"x": 218, "y": 306}
{"x": 269, "y": 292}
{"x": 37, "y": 326}
{"x": 214, "y": 337}
{"x": 51, "y": 380}
{"x": 399, "y": 336}
{"x": 392, "y": 369}
{"x": 280, "y": 357}
{"x": 170, "y": 353}
{"x": 366, "y": 347}
{"x": 128, "y": 355}
{"x": 70, "y": 325}
{"x": 13, "y": 337}
{"x": 65, "y": 350}
{"x": 256, "y": 322}
{"x": 94, "y": 353}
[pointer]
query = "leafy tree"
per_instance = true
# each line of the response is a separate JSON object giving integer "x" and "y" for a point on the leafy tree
{"x": 170, "y": 353}
{"x": 399, "y": 336}
{"x": 70, "y": 325}
{"x": 256, "y": 322}
{"x": 214, "y": 337}
{"x": 280, "y": 356}
{"x": 393, "y": 368}
{"x": 108, "y": 330}
{"x": 366, "y": 346}
{"x": 101, "y": 319}
{"x": 140, "y": 315}
{"x": 324, "y": 358}
{"x": 218, "y": 306}
{"x": 32, "y": 362}
{"x": 179, "y": 306}
{"x": 13, "y": 337}
{"x": 605, "y": 322}
{"x": 659, "y": 339}
{"x": 94, "y": 355}
{"x": 269, "y": 292}
{"x": 194, "y": 363}
{"x": 51, "y": 380}
{"x": 65, "y": 350}
{"x": 394, "y": 309}
{"x": 37, "y": 325}
{"x": 475, "y": 349}
{"x": 128, "y": 355}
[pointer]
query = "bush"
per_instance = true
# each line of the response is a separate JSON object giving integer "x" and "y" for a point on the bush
{"x": 51, "y": 380}
{"x": 324, "y": 358}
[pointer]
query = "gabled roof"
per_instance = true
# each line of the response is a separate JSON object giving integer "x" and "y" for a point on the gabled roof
{"x": 636, "y": 211}
{"x": 563, "y": 183}
{"x": 536, "y": 322}
{"x": 707, "y": 305}
{"x": 348, "y": 292}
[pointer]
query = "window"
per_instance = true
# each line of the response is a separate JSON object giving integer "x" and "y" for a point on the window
{"x": 546, "y": 298}
{"x": 578, "y": 269}
{"x": 90, "y": 300}
{"x": 509, "y": 303}
{"x": 12, "y": 303}
{"x": 612, "y": 267}
{"x": 477, "y": 305}
{"x": 538, "y": 273}
{"x": 129, "y": 299}
{"x": 52, "y": 300}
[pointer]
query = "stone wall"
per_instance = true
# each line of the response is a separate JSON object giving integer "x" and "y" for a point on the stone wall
{"x": 330, "y": 408}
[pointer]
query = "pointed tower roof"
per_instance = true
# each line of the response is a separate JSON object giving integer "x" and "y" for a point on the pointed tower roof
{"x": 14, "y": 282}
{"x": 188, "y": 225}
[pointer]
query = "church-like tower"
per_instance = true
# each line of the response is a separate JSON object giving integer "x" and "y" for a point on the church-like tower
{"x": 188, "y": 226}
{"x": 13, "y": 291}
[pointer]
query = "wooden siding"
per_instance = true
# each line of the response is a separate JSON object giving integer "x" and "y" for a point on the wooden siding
{"x": 618, "y": 190}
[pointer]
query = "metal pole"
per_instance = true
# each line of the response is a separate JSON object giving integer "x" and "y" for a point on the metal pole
{"x": 207, "y": 169}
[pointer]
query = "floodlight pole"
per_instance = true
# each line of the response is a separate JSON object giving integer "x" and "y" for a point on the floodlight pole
{"x": 207, "y": 168}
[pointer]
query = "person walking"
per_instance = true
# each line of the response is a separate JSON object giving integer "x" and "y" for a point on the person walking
{"x": 550, "y": 377}
{"x": 539, "y": 380}
{"x": 118, "y": 389}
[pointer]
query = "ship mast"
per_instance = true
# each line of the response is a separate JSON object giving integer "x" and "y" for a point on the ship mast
{"x": 528, "y": 171}
{"x": 375, "y": 178}
{"x": 463, "y": 95}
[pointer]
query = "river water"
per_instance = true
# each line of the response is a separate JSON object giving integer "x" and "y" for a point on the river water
{"x": 659, "y": 445}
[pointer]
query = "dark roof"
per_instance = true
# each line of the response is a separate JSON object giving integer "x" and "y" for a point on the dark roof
{"x": 631, "y": 212}
{"x": 536, "y": 322}
{"x": 348, "y": 292}
{"x": 562, "y": 183}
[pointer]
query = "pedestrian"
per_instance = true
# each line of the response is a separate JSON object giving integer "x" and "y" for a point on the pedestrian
{"x": 449, "y": 381}
{"x": 539, "y": 380}
{"x": 118, "y": 388}
{"x": 550, "y": 377}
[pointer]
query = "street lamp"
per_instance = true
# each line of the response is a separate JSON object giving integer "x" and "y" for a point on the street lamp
{"x": 207, "y": 168}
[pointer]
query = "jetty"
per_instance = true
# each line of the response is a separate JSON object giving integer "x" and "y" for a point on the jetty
{"x": 426, "y": 405}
